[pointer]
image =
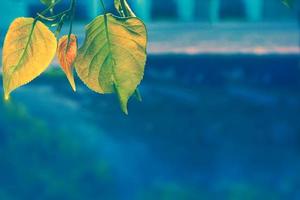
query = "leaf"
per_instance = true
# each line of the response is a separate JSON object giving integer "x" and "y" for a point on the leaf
{"x": 288, "y": 3}
{"x": 113, "y": 56}
{"x": 28, "y": 49}
{"x": 66, "y": 56}
{"x": 123, "y": 8}
{"x": 47, "y": 2}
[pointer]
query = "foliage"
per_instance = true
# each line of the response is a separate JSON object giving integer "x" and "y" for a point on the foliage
{"x": 42, "y": 161}
{"x": 121, "y": 53}
{"x": 288, "y": 3}
{"x": 48, "y": 2}
{"x": 29, "y": 48}
{"x": 66, "y": 56}
{"x": 111, "y": 60}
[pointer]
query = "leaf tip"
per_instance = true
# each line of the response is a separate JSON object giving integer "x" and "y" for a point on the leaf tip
{"x": 123, "y": 103}
{"x": 124, "y": 106}
{"x": 123, "y": 99}
{"x": 6, "y": 97}
{"x": 125, "y": 111}
{"x": 74, "y": 89}
{"x": 72, "y": 82}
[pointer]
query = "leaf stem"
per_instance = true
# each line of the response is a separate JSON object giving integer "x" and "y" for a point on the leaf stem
{"x": 126, "y": 14}
{"x": 72, "y": 8}
{"x": 47, "y": 9}
{"x": 60, "y": 25}
{"x": 54, "y": 17}
{"x": 103, "y": 6}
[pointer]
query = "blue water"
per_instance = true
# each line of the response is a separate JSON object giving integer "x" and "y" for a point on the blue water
{"x": 209, "y": 127}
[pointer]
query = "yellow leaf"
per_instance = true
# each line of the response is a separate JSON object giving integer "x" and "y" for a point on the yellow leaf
{"x": 28, "y": 49}
{"x": 113, "y": 56}
{"x": 66, "y": 57}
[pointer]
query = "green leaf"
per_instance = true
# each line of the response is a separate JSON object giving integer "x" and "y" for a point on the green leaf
{"x": 123, "y": 8}
{"x": 113, "y": 56}
{"x": 47, "y": 2}
{"x": 288, "y": 3}
{"x": 28, "y": 49}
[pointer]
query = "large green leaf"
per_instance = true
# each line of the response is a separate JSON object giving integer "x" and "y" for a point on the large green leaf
{"x": 113, "y": 56}
{"x": 123, "y": 8}
{"x": 28, "y": 49}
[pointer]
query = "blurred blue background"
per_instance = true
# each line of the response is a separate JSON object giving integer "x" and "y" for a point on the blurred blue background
{"x": 219, "y": 117}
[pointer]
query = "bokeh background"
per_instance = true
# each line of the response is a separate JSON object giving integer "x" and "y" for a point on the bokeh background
{"x": 219, "y": 117}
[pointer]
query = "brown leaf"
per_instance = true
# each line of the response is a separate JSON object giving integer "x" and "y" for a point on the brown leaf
{"x": 66, "y": 57}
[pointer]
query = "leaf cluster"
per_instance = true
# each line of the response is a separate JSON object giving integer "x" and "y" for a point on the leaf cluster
{"x": 111, "y": 59}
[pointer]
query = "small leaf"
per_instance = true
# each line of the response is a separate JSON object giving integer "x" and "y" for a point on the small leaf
{"x": 66, "y": 57}
{"x": 288, "y": 3}
{"x": 123, "y": 8}
{"x": 28, "y": 49}
{"x": 113, "y": 56}
{"x": 47, "y": 2}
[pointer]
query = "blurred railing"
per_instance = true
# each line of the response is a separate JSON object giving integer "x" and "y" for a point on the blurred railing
{"x": 175, "y": 10}
{"x": 213, "y": 10}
